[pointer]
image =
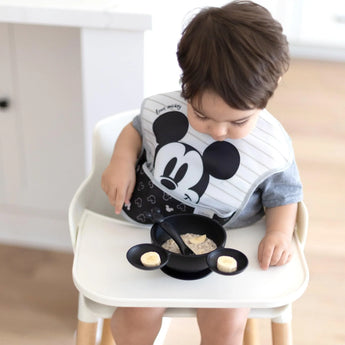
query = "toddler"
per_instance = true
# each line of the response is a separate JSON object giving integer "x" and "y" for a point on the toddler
{"x": 213, "y": 149}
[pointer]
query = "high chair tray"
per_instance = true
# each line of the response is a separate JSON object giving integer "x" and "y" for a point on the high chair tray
{"x": 102, "y": 273}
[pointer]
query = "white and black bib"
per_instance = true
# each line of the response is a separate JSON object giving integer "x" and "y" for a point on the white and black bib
{"x": 183, "y": 170}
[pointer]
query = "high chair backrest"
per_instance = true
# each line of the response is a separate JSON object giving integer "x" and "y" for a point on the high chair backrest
{"x": 105, "y": 135}
{"x": 90, "y": 194}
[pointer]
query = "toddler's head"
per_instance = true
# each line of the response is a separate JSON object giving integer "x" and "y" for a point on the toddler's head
{"x": 237, "y": 51}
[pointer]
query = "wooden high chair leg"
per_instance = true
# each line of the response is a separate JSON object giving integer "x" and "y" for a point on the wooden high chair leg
{"x": 107, "y": 336}
{"x": 86, "y": 333}
{"x": 251, "y": 333}
{"x": 281, "y": 333}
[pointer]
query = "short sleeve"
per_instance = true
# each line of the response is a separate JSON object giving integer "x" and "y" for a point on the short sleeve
{"x": 282, "y": 188}
{"x": 137, "y": 124}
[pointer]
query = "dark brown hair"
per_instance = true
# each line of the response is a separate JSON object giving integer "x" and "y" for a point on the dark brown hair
{"x": 237, "y": 51}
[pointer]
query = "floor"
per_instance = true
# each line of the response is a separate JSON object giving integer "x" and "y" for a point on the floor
{"x": 38, "y": 301}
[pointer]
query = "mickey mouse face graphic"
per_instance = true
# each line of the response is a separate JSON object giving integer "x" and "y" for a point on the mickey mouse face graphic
{"x": 181, "y": 168}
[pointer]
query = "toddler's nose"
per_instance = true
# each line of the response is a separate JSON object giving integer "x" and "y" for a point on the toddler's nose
{"x": 219, "y": 132}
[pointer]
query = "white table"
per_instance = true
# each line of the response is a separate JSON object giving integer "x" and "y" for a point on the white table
{"x": 102, "y": 273}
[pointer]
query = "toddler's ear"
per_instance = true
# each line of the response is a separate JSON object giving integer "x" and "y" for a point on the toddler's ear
{"x": 170, "y": 127}
{"x": 221, "y": 160}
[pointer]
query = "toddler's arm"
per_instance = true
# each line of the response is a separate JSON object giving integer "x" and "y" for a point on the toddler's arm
{"x": 118, "y": 179}
{"x": 275, "y": 248}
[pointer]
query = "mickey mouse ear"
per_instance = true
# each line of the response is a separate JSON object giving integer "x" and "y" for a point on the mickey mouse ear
{"x": 221, "y": 160}
{"x": 170, "y": 127}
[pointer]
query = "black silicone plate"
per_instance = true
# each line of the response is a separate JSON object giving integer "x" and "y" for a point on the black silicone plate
{"x": 135, "y": 252}
{"x": 242, "y": 260}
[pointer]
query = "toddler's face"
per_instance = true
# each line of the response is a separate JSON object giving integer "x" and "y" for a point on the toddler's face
{"x": 217, "y": 119}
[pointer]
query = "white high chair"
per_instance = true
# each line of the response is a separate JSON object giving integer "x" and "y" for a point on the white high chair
{"x": 100, "y": 239}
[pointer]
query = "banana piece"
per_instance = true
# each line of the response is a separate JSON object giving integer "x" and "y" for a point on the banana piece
{"x": 198, "y": 239}
{"x": 150, "y": 259}
{"x": 226, "y": 264}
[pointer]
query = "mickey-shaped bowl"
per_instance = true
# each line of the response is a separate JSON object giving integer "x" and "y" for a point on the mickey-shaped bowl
{"x": 188, "y": 266}
{"x": 189, "y": 223}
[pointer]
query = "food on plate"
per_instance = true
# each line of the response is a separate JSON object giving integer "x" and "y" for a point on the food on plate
{"x": 226, "y": 264}
{"x": 150, "y": 259}
{"x": 199, "y": 244}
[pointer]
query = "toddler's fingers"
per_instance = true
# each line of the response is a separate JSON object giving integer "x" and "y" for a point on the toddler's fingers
{"x": 276, "y": 256}
{"x": 266, "y": 256}
{"x": 119, "y": 203}
{"x": 129, "y": 193}
{"x": 283, "y": 259}
{"x": 260, "y": 250}
{"x": 111, "y": 196}
{"x": 286, "y": 257}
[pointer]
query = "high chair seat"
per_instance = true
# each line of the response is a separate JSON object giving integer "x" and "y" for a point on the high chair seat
{"x": 106, "y": 280}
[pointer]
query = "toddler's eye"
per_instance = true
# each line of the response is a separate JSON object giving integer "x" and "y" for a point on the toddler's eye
{"x": 240, "y": 123}
{"x": 200, "y": 116}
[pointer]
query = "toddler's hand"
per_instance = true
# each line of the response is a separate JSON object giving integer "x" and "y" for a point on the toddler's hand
{"x": 118, "y": 181}
{"x": 275, "y": 249}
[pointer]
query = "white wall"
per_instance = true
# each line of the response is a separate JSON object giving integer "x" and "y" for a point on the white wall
{"x": 162, "y": 72}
